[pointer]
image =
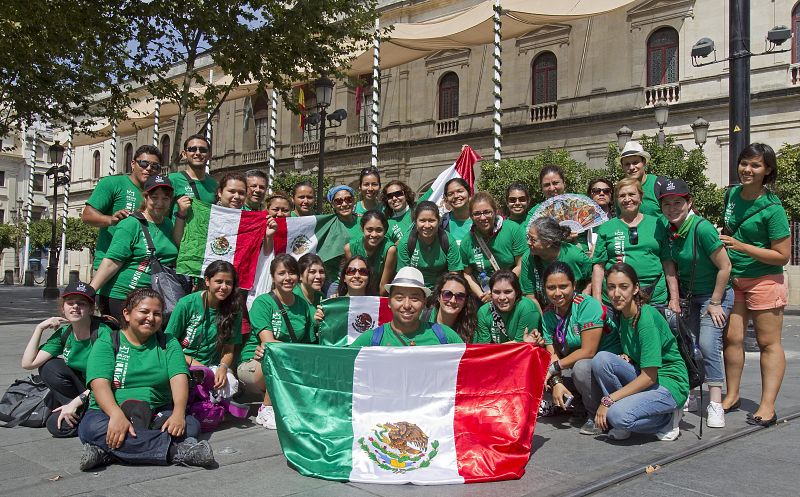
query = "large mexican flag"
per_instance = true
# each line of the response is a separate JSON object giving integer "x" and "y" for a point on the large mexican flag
{"x": 213, "y": 232}
{"x": 424, "y": 415}
{"x": 348, "y": 317}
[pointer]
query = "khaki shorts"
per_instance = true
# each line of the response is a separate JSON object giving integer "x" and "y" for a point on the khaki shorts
{"x": 252, "y": 380}
{"x": 761, "y": 293}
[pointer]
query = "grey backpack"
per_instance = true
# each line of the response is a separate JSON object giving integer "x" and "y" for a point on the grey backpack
{"x": 26, "y": 403}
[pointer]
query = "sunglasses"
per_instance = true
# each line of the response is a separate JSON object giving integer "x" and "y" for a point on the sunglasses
{"x": 351, "y": 271}
{"x": 517, "y": 200}
{"x": 633, "y": 235}
{"x": 397, "y": 194}
{"x": 343, "y": 201}
{"x": 368, "y": 171}
{"x": 604, "y": 191}
{"x": 202, "y": 150}
{"x": 146, "y": 164}
{"x": 447, "y": 296}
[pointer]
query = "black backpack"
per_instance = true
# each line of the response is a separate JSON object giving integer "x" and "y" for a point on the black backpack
{"x": 26, "y": 403}
{"x": 109, "y": 321}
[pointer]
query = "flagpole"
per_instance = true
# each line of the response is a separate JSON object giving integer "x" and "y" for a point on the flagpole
{"x": 156, "y": 116}
{"x": 497, "y": 129}
{"x": 112, "y": 155}
{"x": 68, "y": 173}
{"x": 273, "y": 130}
{"x": 29, "y": 206}
{"x": 208, "y": 120}
{"x": 376, "y": 75}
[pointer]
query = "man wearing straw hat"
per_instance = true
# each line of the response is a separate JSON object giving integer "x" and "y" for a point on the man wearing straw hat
{"x": 633, "y": 160}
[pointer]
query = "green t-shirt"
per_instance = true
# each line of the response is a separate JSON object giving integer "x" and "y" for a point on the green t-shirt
{"x": 524, "y": 315}
{"x": 506, "y": 245}
{"x": 130, "y": 249}
{"x": 681, "y": 248}
{"x": 399, "y": 226}
{"x": 137, "y": 372}
{"x": 650, "y": 204}
{"x": 75, "y": 352}
{"x": 652, "y": 345}
{"x": 207, "y": 187}
{"x": 431, "y": 260}
{"x": 760, "y": 230}
{"x": 459, "y": 228}
{"x": 360, "y": 209}
{"x": 318, "y": 296}
{"x": 522, "y": 221}
{"x": 112, "y": 193}
{"x": 265, "y": 315}
{"x": 195, "y": 328}
{"x": 377, "y": 261}
{"x": 614, "y": 245}
{"x": 423, "y": 336}
{"x": 532, "y": 267}
{"x": 246, "y": 207}
{"x": 585, "y": 313}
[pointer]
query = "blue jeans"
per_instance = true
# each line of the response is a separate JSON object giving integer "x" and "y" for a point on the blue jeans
{"x": 147, "y": 447}
{"x": 648, "y": 411}
{"x": 708, "y": 336}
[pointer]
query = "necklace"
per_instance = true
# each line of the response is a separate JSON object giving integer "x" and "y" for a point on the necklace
{"x": 402, "y": 339}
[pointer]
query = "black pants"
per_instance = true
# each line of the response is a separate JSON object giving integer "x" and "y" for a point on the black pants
{"x": 66, "y": 384}
{"x": 111, "y": 307}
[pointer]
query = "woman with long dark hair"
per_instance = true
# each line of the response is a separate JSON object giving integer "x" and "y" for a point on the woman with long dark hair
{"x": 369, "y": 183}
{"x": 356, "y": 278}
{"x": 379, "y": 251}
{"x": 518, "y": 204}
{"x": 457, "y": 221}
{"x": 312, "y": 279}
{"x": 452, "y": 306}
{"x": 508, "y": 317}
{"x": 398, "y": 200}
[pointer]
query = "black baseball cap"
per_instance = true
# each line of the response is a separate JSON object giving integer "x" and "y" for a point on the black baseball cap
{"x": 79, "y": 288}
{"x": 157, "y": 181}
{"x": 675, "y": 186}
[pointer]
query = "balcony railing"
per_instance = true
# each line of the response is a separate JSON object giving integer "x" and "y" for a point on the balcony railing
{"x": 358, "y": 140}
{"x": 544, "y": 112}
{"x": 447, "y": 127}
{"x": 255, "y": 156}
{"x": 306, "y": 148}
{"x": 670, "y": 93}
{"x": 794, "y": 73}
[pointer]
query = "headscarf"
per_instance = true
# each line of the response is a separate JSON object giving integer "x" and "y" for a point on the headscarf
{"x": 336, "y": 189}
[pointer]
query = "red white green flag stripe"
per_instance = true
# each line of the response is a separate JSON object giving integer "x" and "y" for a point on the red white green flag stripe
{"x": 423, "y": 415}
{"x": 348, "y": 317}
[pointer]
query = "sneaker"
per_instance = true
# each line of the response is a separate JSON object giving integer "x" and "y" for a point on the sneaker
{"x": 589, "y": 428}
{"x": 92, "y": 457}
{"x": 193, "y": 453}
{"x": 715, "y": 417}
{"x": 691, "y": 404}
{"x": 618, "y": 434}
{"x": 674, "y": 429}
{"x": 266, "y": 417}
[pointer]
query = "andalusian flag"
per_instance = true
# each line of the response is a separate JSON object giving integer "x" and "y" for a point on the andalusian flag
{"x": 462, "y": 168}
{"x": 213, "y": 232}
{"x": 348, "y": 317}
{"x": 425, "y": 415}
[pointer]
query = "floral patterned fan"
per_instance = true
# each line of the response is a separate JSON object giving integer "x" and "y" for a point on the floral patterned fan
{"x": 577, "y": 212}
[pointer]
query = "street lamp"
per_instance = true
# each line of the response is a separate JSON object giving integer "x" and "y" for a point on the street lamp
{"x": 56, "y": 155}
{"x": 662, "y": 114}
{"x": 323, "y": 88}
{"x": 624, "y": 135}
{"x": 700, "y": 130}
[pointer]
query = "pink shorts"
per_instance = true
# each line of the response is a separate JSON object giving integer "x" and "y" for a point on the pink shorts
{"x": 761, "y": 293}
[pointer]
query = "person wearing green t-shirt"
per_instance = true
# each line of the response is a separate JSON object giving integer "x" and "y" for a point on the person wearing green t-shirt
{"x": 756, "y": 234}
{"x": 278, "y": 316}
{"x": 508, "y": 317}
{"x": 633, "y": 161}
{"x": 427, "y": 246}
{"x": 704, "y": 271}
{"x": 126, "y": 265}
{"x": 574, "y": 330}
{"x": 378, "y": 250}
{"x": 518, "y": 204}
{"x": 645, "y": 387}
{"x": 398, "y": 202}
{"x": 553, "y": 182}
{"x": 600, "y": 190}
{"x": 369, "y": 183}
{"x": 194, "y": 182}
{"x": 303, "y": 199}
{"x": 208, "y": 325}
{"x": 256, "y": 190}
{"x": 636, "y": 239}
{"x": 140, "y": 387}
{"x": 491, "y": 245}
{"x": 457, "y": 221}
{"x": 312, "y": 279}
{"x": 407, "y": 297}
{"x": 65, "y": 376}
{"x": 452, "y": 306}
{"x": 116, "y": 197}
{"x": 342, "y": 199}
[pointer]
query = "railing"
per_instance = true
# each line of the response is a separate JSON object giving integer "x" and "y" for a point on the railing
{"x": 358, "y": 139}
{"x": 255, "y": 156}
{"x": 544, "y": 112}
{"x": 794, "y": 256}
{"x": 306, "y": 148}
{"x": 794, "y": 73}
{"x": 447, "y": 127}
{"x": 670, "y": 93}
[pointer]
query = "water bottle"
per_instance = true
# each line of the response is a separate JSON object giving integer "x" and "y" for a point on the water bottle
{"x": 484, "y": 280}
{"x": 698, "y": 356}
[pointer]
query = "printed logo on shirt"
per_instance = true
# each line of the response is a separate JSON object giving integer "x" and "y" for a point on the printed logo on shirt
{"x": 415, "y": 258}
{"x": 131, "y": 201}
{"x": 192, "y": 329}
{"x": 619, "y": 245}
{"x": 277, "y": 324}
{"x": 187, "y": 190}
{"x": 478, "y": 257}
{"x": 121, "y": 367}
{"x": 729, "y": 210}
{"x": 67, "y": 350}
{"x": 143, "y": 268}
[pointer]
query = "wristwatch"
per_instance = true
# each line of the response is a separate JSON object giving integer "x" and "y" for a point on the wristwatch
{"x": 607, "y": 401}
{"x": 84, "y": 398}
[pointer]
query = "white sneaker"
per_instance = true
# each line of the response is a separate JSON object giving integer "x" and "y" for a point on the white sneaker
{"x": 618, "y": 434}
{"x": 715, "y": 417}
{"x": 674, "y": 427}
{"x": 266, "y": 417}
{"x": 691, "y": 404}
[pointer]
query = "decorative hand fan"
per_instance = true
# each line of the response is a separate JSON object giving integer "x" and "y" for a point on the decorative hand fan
{"x": 577, "y": 212}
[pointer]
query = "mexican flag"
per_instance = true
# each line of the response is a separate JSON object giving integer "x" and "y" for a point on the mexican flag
{"x": 425, "y": 415}
{"x": 348, "y": 317}
{"x": 213, "y": 232}
{"x": 462, "y": 168}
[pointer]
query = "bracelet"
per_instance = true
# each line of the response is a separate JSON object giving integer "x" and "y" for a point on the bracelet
{"x": 607, "y": 401}
{"x": 222, "y": 364}
{"x": 554, "y": 368}
{"x": 554, "y": 380}
{"x": 714, "y": 302}
{"x": 180, "y": 216}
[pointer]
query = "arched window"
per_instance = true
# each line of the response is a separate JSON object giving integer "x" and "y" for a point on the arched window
{"x": 796, "y": 33}
{"x": 545, "y": 78}
{"x": 448, "y": 96}
{"x": 128, "y": 157}
{"x": 165, "y": 151}
{"x": 261, "y": 116}
{"x": 662, "y": 57}
{"x": 96, "y": 163}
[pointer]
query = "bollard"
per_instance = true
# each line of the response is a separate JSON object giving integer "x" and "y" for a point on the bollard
{"x": 28, "y": 278}
{"x": 73, "y": 276}
{"x": 8, "y": 278}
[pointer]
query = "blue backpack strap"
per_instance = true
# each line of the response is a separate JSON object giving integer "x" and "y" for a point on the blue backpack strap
{"x": 437, "y": 329}
{"x": 377, "y": 336}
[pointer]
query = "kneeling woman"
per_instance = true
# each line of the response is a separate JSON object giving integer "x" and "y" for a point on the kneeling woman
{"x": 508, "y": 317}
{"x": 452, "y": 306}
{"x": 139, "y": 372}
{"x": 645, "y": 387}
{"x": 73, "y": 339}
{"x": 573, "y": 333}
{"x": 208, "y": 325}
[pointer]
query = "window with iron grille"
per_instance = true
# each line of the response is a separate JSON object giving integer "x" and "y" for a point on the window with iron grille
{"x": 545, "y": 78}
{"x": 165, "y": 150}
{"x": 128, "y": 157}
{"x": 364, "y": 103}
{"x": 262, "y": 133}
{"x": 448, "y": 96}
{"x": 38, "y": 182}
{"x": 662, "y": 57}
{"x": 96, "y": 163}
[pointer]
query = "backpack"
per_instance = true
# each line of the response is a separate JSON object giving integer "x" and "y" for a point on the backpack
{"x": 94, "y": 328}
{"x": 377, "y": 335}
{"x": 444, "y": 240}
{"x": 26, "y": 403}
{"x": 208, "y": 408}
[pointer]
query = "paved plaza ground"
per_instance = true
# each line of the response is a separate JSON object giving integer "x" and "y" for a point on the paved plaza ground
{"x": 753, "y": 461}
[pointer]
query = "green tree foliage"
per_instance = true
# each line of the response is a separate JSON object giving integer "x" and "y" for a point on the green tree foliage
{"x": 284, "y": 182}
{"x": 8, "y": 236}
{"x": 79, "y": 234}
{"x": 788, "y": 184}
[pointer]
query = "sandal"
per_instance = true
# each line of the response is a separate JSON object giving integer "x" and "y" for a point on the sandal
{"x": 734, "y": 407}
{"x": 759, "y": 421}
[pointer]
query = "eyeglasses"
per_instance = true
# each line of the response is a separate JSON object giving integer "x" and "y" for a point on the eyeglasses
{"x": 447, "y": 296}
{"x": 351, "y": 271}
{"x": 486, "y": 213}
{"x": 633, "y": 235}
{"x": 517, "y": 200}
{"x": 532, "y": 239}
{"x": 202, "y": 150}
{"x": 146, "y": 164}
{"x": 604, "y": 191}
{"x": 397, "y": 194}
{"x": 343, "y": 201}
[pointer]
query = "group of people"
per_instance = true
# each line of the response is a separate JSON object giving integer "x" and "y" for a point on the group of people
{"x": 599, "y": 301}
